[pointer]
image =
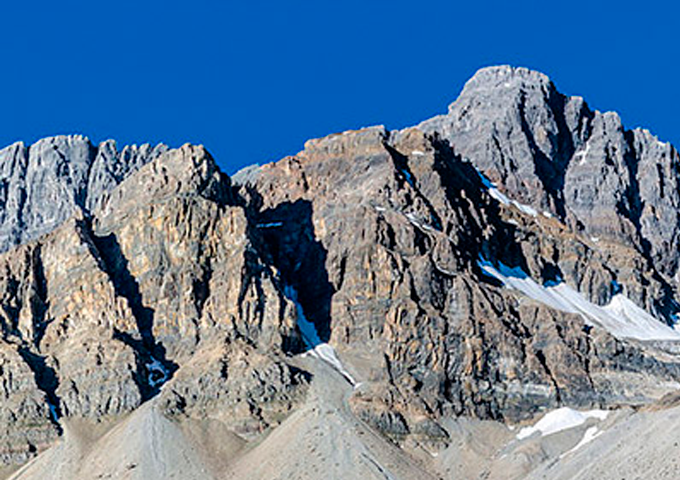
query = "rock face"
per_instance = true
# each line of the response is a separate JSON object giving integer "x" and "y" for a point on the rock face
{"x": 400, "y": 223}
{"x": 553, "y": 152}
{"x": 515, "y": 255}
{"x": 100, "y": 312}
{"x": 43, "y": 185}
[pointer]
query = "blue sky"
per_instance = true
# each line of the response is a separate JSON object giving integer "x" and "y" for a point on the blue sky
{"x": 253, "y": 80}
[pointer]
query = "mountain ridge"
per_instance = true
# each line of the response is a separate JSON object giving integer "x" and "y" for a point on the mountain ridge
{"x": 465, "y": 268}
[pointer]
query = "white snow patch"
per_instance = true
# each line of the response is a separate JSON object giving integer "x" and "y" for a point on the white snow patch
{"x": 621, "y": 317}
{"x": 502, "y": 198}
{"x": 444, "y": 270}
{"x": 158, "y": 374}
{"x": 582, "y": 154}
{"x": 270, "y": 225}
{"x": 559, "y": 420}
{"x": 547, "y": 214}
{"x": 418, "y": 223}
{"x": 526, "y": 208}
{"x": 317, "y": 348}
{"x": 417, "y": 152}
{"x": 380, "y": 209}
{"x": 591, "y": 434}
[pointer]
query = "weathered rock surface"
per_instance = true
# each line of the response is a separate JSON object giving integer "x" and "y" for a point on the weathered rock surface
{"x": 553, "y": 152}
{"x": 400, "y": 221}
{"x": 101, "y": 312}
{"x": 148, "y": 276}
{"x": 44, "y": 184}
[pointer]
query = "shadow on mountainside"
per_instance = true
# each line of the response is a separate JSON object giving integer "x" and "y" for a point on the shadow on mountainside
{"x": 489, "y": 238}
{"x": 284, "y": 235}
{"x": 148, "y": 352}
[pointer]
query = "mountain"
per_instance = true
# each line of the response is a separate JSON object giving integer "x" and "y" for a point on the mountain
{"x": 489, "y": 294}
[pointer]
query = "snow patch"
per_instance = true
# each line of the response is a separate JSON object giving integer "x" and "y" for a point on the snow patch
{"x": 417, "y": 152}
{"x": 317, "y": 348}
{"x": 414, "y": 221}
{"x": 559, "y": 420}
{"x": 502, "y": 198}
{"x": 158, "y": 374}
{"x": 583, "y": 155}
{"x": 621, "y": 317}
{"x": 591, "y": 434}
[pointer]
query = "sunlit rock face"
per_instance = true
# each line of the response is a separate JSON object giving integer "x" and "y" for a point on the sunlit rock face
{"x": 516, "y": 254}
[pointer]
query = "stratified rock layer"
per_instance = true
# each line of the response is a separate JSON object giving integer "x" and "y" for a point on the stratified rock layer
{"x": 553, "y": 152}
{"x": 147, "y": 273}
{"x": 102, "y": 311}
{"x": 400, "y": 223}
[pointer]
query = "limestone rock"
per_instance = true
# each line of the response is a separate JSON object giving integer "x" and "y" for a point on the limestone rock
{"x": 147, "y": 273}
{"x": 399, "y": 222}
{"x": 554, "y": 153}
{"x": 44, "y": 184}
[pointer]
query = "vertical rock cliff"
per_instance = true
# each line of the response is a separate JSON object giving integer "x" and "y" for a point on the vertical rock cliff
{"x": 515, "y": 255}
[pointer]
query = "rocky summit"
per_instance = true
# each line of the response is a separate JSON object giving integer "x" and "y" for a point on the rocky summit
{"x": 490, "y": 294}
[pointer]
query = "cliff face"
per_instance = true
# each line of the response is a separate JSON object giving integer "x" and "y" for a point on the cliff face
{"x": 43, "y": 185}
{"x": 516, "y": 254}
{"x": 554, "y": 153}
{"x": 101, "y": 312}
{"x": 408, "y": 232}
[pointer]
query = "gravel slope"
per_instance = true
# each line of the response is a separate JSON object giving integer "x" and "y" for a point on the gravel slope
{"x": 324, "y": 440}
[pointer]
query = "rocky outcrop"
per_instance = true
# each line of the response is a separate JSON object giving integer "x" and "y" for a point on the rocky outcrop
{"x": 44, "y": 184}
{"x": 148, "y": 273}
{"x": 554, "y": 153}
{"x": 101, "y": 312}
{"x": 400, "y": 222}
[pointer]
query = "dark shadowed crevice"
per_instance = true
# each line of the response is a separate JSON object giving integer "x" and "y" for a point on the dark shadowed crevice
{"x": 631, "y": 205}
{"x": 463, "y": 188}
{"x": 550, "y": 172}
{"x": 39, "y": 302}
{"x": 544, "y": 363}
{"x": 284, "y": 236}
{"x": 301, "y": 259}
{"x": 153, "y": 367}
{"x": 45, "y": 376}
{"x": 46, "y": 380}
{"x": 81, "y": 193}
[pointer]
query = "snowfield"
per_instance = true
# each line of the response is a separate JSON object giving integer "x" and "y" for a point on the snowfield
{"x": 559, "y": 420}
{"x": 317, "y": 348}
{"x": 621, "y": 317}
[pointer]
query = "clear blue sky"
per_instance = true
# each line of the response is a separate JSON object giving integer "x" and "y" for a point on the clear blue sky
{"x": 253, "y": 80}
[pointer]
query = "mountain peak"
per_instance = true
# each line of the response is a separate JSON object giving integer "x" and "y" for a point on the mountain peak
{"x": 504, "y": 73}
{"x": 504, "y": 78}
{"x": 516, "y": 256}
